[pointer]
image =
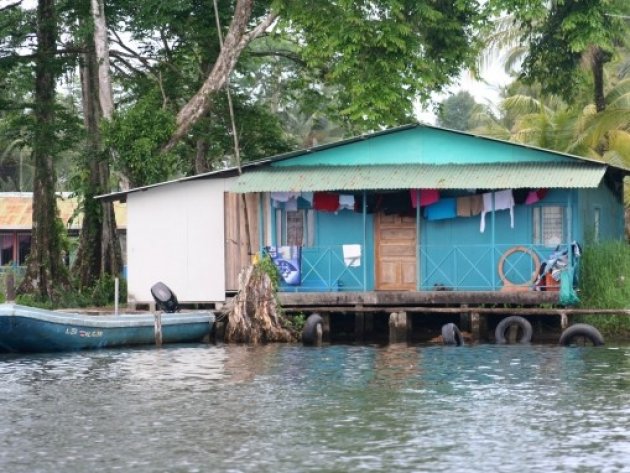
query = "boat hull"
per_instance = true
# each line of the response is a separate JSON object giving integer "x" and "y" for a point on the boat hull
{"x": 28, "y": 330}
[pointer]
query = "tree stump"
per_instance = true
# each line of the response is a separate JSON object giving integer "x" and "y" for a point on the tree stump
{"x": 254, "y": 314}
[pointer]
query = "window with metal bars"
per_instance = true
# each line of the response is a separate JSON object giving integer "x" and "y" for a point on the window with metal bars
{"x": 548, "y": 225}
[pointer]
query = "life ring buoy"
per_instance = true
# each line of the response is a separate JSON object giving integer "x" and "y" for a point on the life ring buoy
{"x": 313, "y": 330}
{"x": 451, "y": 335}
{"x": 581, "y": 330}
{"x": 509, "y": 285}
{"x": 506, "y": 323}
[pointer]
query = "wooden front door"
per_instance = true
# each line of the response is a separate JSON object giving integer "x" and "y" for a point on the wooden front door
{"x": 396, "y": 243}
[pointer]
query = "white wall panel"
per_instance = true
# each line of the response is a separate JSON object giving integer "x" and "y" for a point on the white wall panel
{"x": 175, "y": 234}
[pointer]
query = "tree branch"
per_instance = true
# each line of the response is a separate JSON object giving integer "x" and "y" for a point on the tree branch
{"x": 235, "y": 41}
{"x": 285, "y": 54}
{"x": 11, "y": 5}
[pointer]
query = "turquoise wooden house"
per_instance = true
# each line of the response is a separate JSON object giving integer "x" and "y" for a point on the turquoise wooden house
{"x": 420, "y": 208}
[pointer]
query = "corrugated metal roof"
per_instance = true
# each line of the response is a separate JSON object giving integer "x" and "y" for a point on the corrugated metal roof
{"x": 16, "y": 212}
{"x": 479, "y": 176}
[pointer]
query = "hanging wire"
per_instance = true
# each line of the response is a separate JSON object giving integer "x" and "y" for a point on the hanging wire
{"x": 237, "y": 151}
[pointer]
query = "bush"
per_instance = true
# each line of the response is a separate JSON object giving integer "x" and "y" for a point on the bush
{"x": 605, "y": 284}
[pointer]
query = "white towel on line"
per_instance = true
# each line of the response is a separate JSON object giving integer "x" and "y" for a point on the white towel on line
{"x": 346, "y": 201}
{"x": 503, "y": 200}
{"x": 352, "y": 255}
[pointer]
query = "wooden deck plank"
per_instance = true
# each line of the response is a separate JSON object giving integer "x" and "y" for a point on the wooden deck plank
{"x": 411, "y": 298}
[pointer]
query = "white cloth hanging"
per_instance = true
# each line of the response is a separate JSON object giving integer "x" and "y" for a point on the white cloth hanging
{"x": 346, "y": 201}
{"x": 352, "y": 255}
{"x": 503, "y": 200}
{"x": 307, "y": 196}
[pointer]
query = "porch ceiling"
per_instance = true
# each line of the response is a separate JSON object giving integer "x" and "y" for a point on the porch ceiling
{"x": 447, "y": 176}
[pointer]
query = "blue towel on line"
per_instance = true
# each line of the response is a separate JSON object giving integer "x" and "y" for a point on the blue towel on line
{"x": 442, "y": 209}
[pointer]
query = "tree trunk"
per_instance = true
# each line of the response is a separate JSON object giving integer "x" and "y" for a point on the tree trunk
{"x": 599, "y": 57}
{"x": 101, "y": 44}
{"x": 201, "y": 152}
{"x": 110, "y": 257}
{"x": 235, "y": 41}
{"x": 46, "y": 274}
{"x": 99, "y": 248}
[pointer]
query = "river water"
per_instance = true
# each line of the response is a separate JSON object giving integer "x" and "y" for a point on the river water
{"x": 336, "y": 408}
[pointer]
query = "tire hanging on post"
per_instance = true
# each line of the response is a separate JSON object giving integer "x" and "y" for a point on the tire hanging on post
{"x": 313, "y": 330}
{"x": 506, "y": 323}
{"x": 584, "y": 331}
{"x": 451, "y": 335}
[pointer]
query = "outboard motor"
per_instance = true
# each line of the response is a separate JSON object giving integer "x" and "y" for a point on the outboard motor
{"x": 165, "y": 299}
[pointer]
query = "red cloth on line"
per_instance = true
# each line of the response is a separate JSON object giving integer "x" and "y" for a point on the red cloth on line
{"x": 426, "y": 197}
{"x": 326, "y": 201}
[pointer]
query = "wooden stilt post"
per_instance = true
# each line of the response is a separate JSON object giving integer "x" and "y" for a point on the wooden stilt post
{"x": 475, "y": 325}
{"x": 397, "y": 327}
{"x": 158, "y": 328}
{"x": 464, "y": 319}
{"x": 359, "y": 326}
{"x": 564, "y": 321}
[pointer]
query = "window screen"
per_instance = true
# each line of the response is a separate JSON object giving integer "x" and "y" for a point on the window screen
{"x": 548, "y": 225}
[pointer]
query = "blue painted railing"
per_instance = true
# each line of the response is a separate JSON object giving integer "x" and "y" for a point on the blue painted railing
{"x": 441, "y": 267}
{"x": 324, "y": 270}
{"x": 480, "y": 267}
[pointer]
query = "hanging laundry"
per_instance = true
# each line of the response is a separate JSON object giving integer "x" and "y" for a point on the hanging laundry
{"x": 503, "y": 200}
{"x": 424, "y": 197}
{"x": 535, "y": 196}
{"x": 520, "y": 196}
{"x": 476, "y": 204}
{"x": 291, "y": 205}
{"x": 441, "y": 210}
{"x": 532, "y": 198}
{"x": 284, "y": 196}
{"x": 346, "y": 201}
{"x": 307, "y": 196}
{"x": 326, "y": 201}
{"x": 352, "y": 255}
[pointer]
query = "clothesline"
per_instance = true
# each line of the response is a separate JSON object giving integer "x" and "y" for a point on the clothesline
{"x": 435, "y": 206}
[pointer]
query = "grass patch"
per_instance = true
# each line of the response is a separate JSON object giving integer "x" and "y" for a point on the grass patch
{"x": 605, "y": 284}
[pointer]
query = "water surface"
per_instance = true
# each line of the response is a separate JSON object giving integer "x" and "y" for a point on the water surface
{"x": 338, "y": 408}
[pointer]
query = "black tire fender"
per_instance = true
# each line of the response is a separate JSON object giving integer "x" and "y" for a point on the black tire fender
{"x": 581, "y": 330}
{"x": 451, "y": 335}
{"x": 504, "y": 325}
{"x": 313, "y": 329}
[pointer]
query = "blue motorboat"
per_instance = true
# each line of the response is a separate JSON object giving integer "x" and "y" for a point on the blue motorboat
{"x": 29, "y": 330}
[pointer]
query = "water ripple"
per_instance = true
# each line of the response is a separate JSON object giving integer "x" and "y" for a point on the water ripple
{"x": 336, "y": 408}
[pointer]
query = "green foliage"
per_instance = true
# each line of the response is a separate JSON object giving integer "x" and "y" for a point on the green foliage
{"x": 560, "y": 35}
{"x": 455, "y": 112}
{"x": 103, "y": 292}
{"x": 266, "y": 265}
{"x": 605, "y": 275}
{"x": 101, "y": 295}
{"x": 295, "y": 322}
{"x": 137, "y": 134}
{"x": 378, "y": 57}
